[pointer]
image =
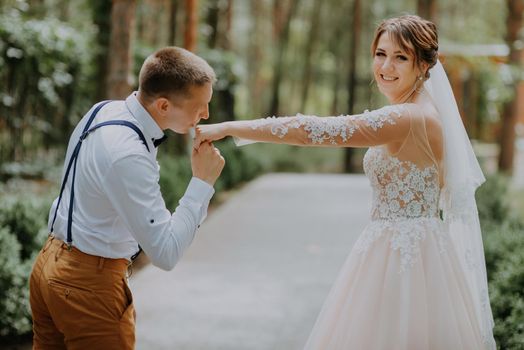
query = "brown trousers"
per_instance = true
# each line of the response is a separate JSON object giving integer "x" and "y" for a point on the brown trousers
{"x": 80, "y": 301}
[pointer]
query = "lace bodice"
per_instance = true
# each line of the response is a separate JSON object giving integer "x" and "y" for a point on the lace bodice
{"x": 400, "y": 188}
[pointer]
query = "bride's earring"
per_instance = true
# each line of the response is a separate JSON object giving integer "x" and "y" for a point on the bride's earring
{"x": 418, "y": 84}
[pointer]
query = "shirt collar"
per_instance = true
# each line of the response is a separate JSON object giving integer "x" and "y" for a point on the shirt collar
{"x": 151, "y": 128}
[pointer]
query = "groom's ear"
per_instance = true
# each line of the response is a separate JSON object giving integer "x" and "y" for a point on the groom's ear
{"x": 161, "y": 105}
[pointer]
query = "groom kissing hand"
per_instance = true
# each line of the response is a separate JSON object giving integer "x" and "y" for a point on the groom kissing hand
{"x": 110, "y": 207}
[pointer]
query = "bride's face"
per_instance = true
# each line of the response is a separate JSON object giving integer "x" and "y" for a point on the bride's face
{"x": 394, "y": 69}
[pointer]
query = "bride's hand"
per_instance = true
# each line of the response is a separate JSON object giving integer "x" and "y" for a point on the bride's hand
{"x": 209, "y": 133}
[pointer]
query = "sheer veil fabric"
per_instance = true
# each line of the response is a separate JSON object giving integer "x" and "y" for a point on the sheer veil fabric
{"x": 462, "y": 176}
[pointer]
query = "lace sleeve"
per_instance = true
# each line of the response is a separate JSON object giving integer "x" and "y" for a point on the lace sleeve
{"x": 381, "y": 126}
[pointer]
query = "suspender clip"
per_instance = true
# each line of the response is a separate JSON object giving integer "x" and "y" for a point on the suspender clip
{"x": 84, "y": 135}
{"x": 69, "y": 246}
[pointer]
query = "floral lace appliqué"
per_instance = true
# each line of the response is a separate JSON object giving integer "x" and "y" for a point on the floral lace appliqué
{"x": 404, "y": 206}
{"x": 400, "y": 188}
{"x": 404, "y": 237}
{"x": 328, "y": 129}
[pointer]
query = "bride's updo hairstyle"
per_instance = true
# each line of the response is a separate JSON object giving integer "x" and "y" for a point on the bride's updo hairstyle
{"x": 414, "y": 35}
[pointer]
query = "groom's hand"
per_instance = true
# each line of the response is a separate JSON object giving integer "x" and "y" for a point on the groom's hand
{"x": 207, "y": 163}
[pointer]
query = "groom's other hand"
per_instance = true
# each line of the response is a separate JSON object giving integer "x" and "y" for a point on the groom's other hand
{"x": 207, "y": 163}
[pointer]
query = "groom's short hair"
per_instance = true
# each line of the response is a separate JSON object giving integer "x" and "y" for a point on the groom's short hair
{"x": 171, "y": 71}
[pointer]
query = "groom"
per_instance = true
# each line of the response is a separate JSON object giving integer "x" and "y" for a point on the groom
{"x": 110, "y": 206}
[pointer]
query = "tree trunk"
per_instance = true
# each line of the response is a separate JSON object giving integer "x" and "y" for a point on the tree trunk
{"x": 173, "y": 10}
{"x": 255, "y": 57}
{"x": 279, "y": 18}
{"x": 213, "y": 11}
{"x": 509, "y": 117}
{"x": 310, "y": 46}
{"x": 427, "y": 9}
{"x": 335, "y": 47}
{"x": 190, "y": 35}
{"x": 226, "y": 32}
{"x": 120, "y": 58}
{"x": 102, "y": 19}
{"x": 279, "y": 59}
{"x": 219, "y": 20}
{"x": 352, "y": 75}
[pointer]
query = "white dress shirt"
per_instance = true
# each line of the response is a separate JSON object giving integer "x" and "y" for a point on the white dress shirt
{"x": 118, "y": 203}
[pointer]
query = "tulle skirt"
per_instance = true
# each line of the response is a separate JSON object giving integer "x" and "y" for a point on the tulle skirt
{"x": 401, "y": 287}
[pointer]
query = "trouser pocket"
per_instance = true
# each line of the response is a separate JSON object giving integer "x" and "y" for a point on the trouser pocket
{"x": 127, "y": 321}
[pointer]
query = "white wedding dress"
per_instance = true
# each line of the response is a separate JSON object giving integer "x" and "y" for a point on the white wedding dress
{"x": 405, "y": 284}
{"x": 402, "y": 286}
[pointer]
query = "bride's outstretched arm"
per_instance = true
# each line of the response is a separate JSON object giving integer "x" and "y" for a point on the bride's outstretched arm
{"x": 381, "y": 126}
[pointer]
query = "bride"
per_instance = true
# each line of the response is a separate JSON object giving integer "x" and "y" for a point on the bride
{"x": 416, "y": 277}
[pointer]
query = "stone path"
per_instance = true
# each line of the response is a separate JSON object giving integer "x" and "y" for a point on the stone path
{"x": 259, "y": 269}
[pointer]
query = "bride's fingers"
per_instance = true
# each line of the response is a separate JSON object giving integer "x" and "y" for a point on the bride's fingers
{"x": 199, "y": 140}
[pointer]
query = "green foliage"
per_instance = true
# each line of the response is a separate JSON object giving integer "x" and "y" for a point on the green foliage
{"x": 42, "y": 63}
{"x": 14, "y": 291}
{"x": 23, "y": 229}
{"x": 26, "y": 220}
{"x": 492, "y": 201}
{"x": 240, "y": 167}
{"x": 285, "y": 158}
{"x": 222, "y": 106}
{"x": 503, "y": 233}
{"x": 507, "y": 295}
{"x": 175, "y": 173}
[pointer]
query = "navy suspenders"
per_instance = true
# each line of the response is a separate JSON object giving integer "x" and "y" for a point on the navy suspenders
{"x": 72, "y": 163}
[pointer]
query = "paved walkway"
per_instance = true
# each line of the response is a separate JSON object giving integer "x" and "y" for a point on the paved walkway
{"x": 259, "y": 269}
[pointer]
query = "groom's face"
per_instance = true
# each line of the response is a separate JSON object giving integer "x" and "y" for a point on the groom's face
{"x": 186, "y": 111}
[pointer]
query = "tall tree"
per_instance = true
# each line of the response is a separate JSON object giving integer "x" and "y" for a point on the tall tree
{"x": 173, "y": 11}
{"x": 213, "y": 15}
{"x": 120, "y": 80}
{"x": 338, "y": 29}
{"x": 102, "y": 18}
{"x": 219, "y": 21}
{"x": 509, "y": 117}
{"x": 283, "y": 40}
{"x": 255, "y": 56}
{"x": 190, "y": 34}
{"x": 226, "y": 37}
{"x": 355, "y": 36}
{"x": 310, "y": 47}
{"x": 427, "y": 9}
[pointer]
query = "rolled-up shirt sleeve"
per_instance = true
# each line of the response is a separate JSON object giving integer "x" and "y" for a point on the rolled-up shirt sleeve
{"x": 131, "y": 184}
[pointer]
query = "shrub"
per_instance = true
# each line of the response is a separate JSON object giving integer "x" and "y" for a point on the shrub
{"x": 15, "y": 317}
{"x": 240, "y": 167}
{"x": 175, "y": 173}
{"x": 507, "y": 300}
{"x": 503, "y": 233}
{"x": 492, "y": 200}
{"x": 26, "y": 220}
{"x": 23, "y": 229}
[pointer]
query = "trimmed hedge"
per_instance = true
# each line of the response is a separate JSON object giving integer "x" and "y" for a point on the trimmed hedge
{"x": 175, "y": 172}
{"x": 23, "y": 229}
{"x": 503, "y": 233}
